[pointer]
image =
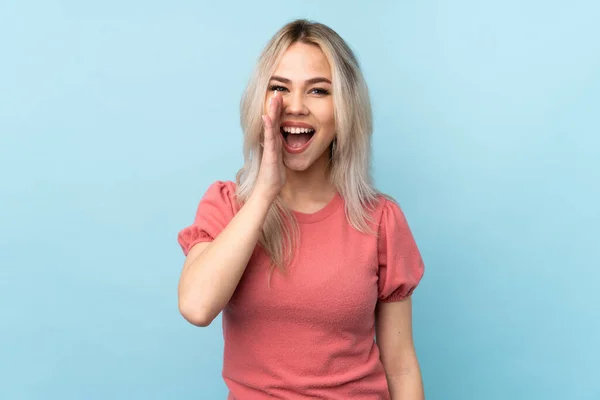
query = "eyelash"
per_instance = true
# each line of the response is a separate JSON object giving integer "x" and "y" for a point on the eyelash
{"x": 321, "y": 90}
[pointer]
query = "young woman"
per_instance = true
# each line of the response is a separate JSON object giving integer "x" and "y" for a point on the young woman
{"x": 308, "y": 262}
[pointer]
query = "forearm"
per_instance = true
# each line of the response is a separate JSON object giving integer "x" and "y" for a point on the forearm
{"x": 209, "y": 279}
{"x": 405, "y": 381}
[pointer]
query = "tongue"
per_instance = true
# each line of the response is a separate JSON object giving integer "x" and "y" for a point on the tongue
{"x": 298, "y": 140}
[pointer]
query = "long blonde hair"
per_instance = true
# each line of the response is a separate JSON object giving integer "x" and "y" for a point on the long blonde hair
{"x": 350, "y": 164}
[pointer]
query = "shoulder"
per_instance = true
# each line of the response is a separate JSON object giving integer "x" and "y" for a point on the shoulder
{"x": 227, "y": 188}
{"x": 215, "y": 209}
{"x": 221, "y": 194}
{"x": 385, "y": 207}
{"x": 387, "y": 216}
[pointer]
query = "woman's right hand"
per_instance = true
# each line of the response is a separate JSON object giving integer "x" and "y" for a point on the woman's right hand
{"x": 271, "y": 176}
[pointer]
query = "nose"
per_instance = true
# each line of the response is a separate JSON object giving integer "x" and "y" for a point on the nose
{"x": 294, "y": 104}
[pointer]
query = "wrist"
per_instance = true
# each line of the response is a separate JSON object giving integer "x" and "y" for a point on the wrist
{"x": 261, "y": 201}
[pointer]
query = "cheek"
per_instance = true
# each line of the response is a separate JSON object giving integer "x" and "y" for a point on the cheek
{"x": 329, "y": 120}
{"x": 326, "y": 116}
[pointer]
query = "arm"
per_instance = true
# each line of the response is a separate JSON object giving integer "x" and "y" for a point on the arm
{"x": 398, "y": 356}
{"x": 212, "y": 270}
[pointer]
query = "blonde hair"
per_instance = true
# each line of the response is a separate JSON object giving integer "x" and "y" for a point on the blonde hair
{"x": 349, "y": 168}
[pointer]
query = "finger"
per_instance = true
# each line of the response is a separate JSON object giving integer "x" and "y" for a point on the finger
{"x": 277, "y": 105}
{"x": 273, "y": 106}
{"x": 269, "y": 137}
{"x": 275, "y": 112}
{"x": 277, "y": 118}
{"x": 268, "y": 124}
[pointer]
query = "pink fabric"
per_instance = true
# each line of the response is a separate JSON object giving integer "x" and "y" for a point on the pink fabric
{"x": 311, "y": 334}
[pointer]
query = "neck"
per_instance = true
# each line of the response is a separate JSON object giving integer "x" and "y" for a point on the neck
{"x": 310, "y": 185}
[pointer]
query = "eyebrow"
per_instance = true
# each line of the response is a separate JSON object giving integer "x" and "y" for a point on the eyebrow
{"x": 317, "y": 79}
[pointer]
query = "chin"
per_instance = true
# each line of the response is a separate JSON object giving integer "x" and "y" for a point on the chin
{"x": 305, "y": 161}
{"x": 297, "y": 165}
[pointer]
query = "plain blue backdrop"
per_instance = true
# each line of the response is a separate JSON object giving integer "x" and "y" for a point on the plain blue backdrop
{"x": 116, "y": 116}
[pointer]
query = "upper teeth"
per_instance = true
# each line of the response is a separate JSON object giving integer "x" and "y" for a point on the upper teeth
{"x": 289, "y": 129}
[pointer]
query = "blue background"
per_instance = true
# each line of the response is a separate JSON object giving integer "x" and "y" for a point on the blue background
{"x": 116, "y": 116}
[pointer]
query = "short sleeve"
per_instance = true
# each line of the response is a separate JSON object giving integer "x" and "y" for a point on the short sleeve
{"x": 400, "y": 264}
{"x": 216, "y": 208}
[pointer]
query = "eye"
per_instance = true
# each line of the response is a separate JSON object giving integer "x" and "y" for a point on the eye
{"x": 320, "y": 91}
{"x": 277, "y": 88}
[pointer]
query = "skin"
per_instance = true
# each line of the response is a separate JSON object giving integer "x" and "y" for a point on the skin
{"x": 298, "y": 98}
{"x": 211, "y": 271}
{"x": 302, "y": 82}
{"x": 397, "y": 351}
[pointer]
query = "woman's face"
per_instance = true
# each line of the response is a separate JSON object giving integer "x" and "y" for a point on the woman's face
{"x": 303, "y": 78}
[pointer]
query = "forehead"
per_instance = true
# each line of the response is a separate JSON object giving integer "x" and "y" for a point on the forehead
{"x": 303, "y": 61}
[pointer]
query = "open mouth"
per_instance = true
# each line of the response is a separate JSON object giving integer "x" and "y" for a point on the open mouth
{"x": 296, "y": 138}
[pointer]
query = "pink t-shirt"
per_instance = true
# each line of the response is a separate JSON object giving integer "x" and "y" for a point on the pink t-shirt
{"x": 311, "y": 334}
